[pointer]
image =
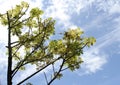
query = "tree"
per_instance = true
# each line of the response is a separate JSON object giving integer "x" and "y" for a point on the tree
{"x": 34, "y": 45}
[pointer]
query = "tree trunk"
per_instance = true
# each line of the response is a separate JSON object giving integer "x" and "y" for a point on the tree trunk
{"x": 9, "y": 70}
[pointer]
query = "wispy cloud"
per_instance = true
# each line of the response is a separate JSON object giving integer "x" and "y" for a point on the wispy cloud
{"x": 95, "y": 58}
{"x": 109, "y": 6}
{"x": 93, "y": 62}
{"x": 62, "y": 11}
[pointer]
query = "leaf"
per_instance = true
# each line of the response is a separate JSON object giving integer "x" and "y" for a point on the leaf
{"x": 58, "y": 75}
{"x": 35, "y": 45}
{"x": 35, "y": 12}
{"x": 3, "y": 20}
{"x": 24, "y": 4}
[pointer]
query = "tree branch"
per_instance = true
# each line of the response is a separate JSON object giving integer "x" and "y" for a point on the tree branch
{"x": 20, "y": 64}
{"x": 46, "y": 77}
{"x": 39, "y": 70}
{"x": 21, "y": 15}
{"x": 56, "y": 75}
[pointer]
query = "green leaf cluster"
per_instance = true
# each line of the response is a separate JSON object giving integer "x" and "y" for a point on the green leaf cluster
{"x": 36, "y": 12}
{"x": 33, "y": 32}
{"x": 71, "y": 45}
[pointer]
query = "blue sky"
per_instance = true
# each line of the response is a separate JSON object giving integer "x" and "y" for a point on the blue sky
{"x": 98, "y": 18}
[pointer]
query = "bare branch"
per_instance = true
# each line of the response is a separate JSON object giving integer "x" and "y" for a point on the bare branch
{"x": 39, "y": 70}
{"x": 46, "y": 77}
{"x": 53, "y": 68}
{"x": 56, "y": 75}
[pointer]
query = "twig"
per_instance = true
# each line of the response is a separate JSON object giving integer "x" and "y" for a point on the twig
{"x": 55, "y": 76}
{"x": 46, "y": 77}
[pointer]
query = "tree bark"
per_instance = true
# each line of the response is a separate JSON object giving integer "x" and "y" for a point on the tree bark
{"x": 9, "y": 70}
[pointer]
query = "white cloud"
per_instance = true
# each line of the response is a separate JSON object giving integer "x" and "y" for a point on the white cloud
{"x": 63, "y": 10}
{"x": 115, "y": 8}
{"x": 94, "y": 58}
{"x": 57, "y": 10}
{"x": 93, "y": 62}
{"x": 109, "y": 6}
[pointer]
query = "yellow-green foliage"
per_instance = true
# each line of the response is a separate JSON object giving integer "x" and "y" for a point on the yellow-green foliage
{"x": 33, "y": 33}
